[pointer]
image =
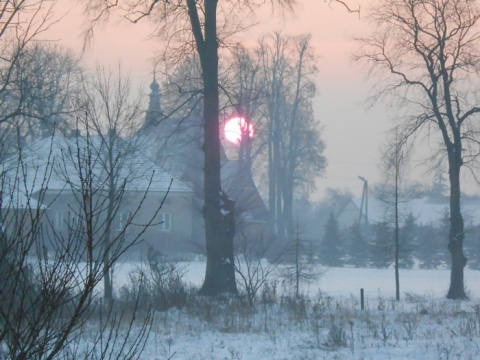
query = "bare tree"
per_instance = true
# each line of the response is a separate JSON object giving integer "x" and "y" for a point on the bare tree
{"x": 47, "y": 79}
{"x": 183, "y": 88}
{"x": 112, "y": 118}
{"x": 200, "y": 27}
{"x": 21, "y": 22}
{"x": 295, "y": 147}
{"x": 299, "y": 270}
{"x": 426, "y": 55}
{"x": 397, "y": 161}
{"x": 246, "y": 97}
{"x": 48, "y": 277}
{"x": 22, "y": 62}
{"x": 197, "y": 23}
{"x": 252, "y": 265}
{"x": 394, "y": 164}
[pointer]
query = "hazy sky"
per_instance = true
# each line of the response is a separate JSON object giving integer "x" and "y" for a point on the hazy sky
{"x": 353, "y": 132}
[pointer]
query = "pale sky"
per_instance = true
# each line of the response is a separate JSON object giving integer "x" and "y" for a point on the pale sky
{"x": 353, "y": 132}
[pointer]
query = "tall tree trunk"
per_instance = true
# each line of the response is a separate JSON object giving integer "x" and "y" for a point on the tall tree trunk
{"x": 397, "y": 237}
{"x": 271, "y": 181}
{"x": 278, "y": 173}
{"x": 457, "y": 235}
{"x": 107, "y": 279}
{"x": 279, "y": 214}
{"x": 297, "y": 266}
{"x": 219, "y": 229}
{"x": 288, "y": 206}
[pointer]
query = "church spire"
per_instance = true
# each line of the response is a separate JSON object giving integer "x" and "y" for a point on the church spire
{"x": 154, "y": 112}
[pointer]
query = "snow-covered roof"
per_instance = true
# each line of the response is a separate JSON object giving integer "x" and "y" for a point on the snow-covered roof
{"x": 60, "y": 163}
{"x": 426, "y": 210}
{"x": 18, "y": 200}
{"x": 240, "y": 186}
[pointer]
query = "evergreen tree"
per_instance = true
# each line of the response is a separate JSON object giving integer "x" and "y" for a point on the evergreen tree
{"x": 357, "y": 247}
{"x": 298, "y": 270}
{"x": 331, "y": 254}
{"x": 408, "y": 239}
{"x": 472, "y": 237}
{"x": 431, "y": 247}
{"x": 439, "y": 186}
{"x": 381, "y": 250}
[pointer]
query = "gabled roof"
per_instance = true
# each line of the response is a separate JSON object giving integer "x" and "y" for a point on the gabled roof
{"x": 426, "y": 210}
{"x": 56, "y": 163}
{"x": 18, "y": 200}
{"x": 239, "y": 185}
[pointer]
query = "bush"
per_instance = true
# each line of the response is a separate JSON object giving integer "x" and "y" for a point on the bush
{"x": 158, "y": 282}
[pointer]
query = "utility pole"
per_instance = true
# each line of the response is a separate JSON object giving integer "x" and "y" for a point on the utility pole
{"x": 364, "y": 202}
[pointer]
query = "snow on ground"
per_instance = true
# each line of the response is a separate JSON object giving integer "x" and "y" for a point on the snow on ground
{"x": 349, "y": 281}
{"x": 346, "y": 281}
{"x": 329, "y": 325}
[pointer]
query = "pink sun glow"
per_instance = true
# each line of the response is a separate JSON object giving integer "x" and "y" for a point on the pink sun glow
{"x": 236, "y": 127}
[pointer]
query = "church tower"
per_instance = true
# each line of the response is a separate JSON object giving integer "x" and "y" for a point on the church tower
{"x": 154, "y": 111}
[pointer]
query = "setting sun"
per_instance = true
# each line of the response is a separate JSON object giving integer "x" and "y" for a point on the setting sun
{"x": 235, "y": 127}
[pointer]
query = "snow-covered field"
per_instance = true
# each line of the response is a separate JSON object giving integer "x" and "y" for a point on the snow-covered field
{"x": 329, "y": 323}
{"x": 349, "y": 281}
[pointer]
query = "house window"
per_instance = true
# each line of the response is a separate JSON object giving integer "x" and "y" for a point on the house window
{"x": 165, "y": 222}
{"x": 121, "y": 220}
{"x": 65, "y": 220}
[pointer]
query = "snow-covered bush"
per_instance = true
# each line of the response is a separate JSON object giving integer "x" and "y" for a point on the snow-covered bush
{"x": 157, "y": 282}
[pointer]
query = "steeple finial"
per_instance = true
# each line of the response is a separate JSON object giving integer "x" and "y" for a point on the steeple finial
{"x": 154, "y": 85}
{"x": 154, "y": 112}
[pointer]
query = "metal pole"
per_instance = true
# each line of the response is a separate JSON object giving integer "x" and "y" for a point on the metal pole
{"x": 362, "y": 300}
